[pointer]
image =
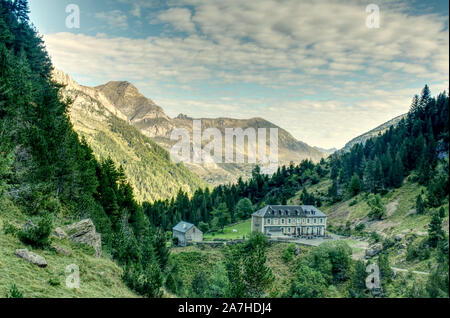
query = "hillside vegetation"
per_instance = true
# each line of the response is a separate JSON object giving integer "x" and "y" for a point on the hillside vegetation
{"x": 49, "y": 175}
{"x": 99, "y": 277}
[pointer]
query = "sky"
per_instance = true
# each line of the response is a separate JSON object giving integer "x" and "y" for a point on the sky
{"x": 314, "y": 68}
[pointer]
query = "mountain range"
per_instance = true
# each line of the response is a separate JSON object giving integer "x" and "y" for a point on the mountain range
{"x": 122, "y": 100}
{"x": 107, "y": 130}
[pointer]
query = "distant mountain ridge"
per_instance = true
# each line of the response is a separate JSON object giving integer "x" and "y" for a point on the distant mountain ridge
{"x": 327, "y": 151}
{"x": 373, "y": 133}
{"x": 124, "y": 100}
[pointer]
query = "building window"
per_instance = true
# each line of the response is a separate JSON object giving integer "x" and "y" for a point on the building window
{"x": 315, "y": 221}
{"x": 298, "y": 221}
{"x": 275, "y": 221}
{"x": 268, "y": 221}
{"x": 289, "y": 230}
{"x": 282, "y": 221}
{"x": 309, "y": 221}
{"x": 289, "y": 222}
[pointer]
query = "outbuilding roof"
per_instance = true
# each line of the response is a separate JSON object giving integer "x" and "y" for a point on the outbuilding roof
{"x": 182, "y": 227}
{"x": 290, "y": 210}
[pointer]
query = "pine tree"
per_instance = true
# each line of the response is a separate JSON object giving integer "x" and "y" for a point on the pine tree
{"x": 435, "y": 232}
{"x": 358, "y": 279}
{"x": 258, "y": 276}
{"x": 221, "y": 216}
{"x": 397, "y": 172}
{"x": 385, "y": 269}
{"x": 420, "y": 206}
{"x": 355, "y": 185}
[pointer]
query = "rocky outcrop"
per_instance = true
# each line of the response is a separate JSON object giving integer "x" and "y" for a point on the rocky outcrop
{"x": 84, "y": 232}
{"x": 31, "y": 257}
{"x": 29, "y": 225}
{"x": 60, "y": 250}
{"x": 374, "y": 250}
{"x": 59, "y": 233}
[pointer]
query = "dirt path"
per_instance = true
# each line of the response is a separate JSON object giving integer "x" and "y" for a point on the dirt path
{"x": 396, "y": 269}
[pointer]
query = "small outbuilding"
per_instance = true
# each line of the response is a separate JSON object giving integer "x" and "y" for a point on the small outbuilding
{"x": 187, "y": 233}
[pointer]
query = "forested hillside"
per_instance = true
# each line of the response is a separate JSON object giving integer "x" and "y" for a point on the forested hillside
{"x": 49, "y": 175}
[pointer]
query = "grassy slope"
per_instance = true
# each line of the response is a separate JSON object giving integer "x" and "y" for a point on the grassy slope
{"x": 399, "y": 203}
{"x": 99, "y": 277}
{"x": 401, "y": 218}
{"x": 243, "y": 228}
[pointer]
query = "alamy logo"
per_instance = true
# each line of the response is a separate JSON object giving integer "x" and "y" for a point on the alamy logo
{"x": 373, "y": 19}
{"x": 73, "y": 279}
{"x": 208, "y": 146}
{"x": 373, "y": 279}
{"x": 73, "y": 19}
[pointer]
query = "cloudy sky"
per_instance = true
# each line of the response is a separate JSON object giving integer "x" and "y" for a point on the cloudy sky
{"x": 311, "y": 67}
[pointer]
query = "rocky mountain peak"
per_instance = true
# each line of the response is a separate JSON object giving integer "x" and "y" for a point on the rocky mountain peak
{"x": 121, "y": 88}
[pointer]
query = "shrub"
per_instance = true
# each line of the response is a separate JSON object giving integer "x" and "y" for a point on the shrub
{"x": 14, "y": 292}
{"x": 360, "y": 227}
{"x": 377, "y": 209}
{"x": 38, "y": 235}
{"x": 54, "y": 281}
{"x": 309, "y": 283}
{"x": 388, "y": 243}
{"x": 288, "y": 253}
{"x": 418, "y": 250}
{"x": 171, "y": 284}
{"x": 8, "y": 228}
{"x": 375, "y": 237}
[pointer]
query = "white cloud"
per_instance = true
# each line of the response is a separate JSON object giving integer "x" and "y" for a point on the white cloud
{"x": 179, "y": 18}
{"x": 114, "y": 19}
{"x": 316, "y": 60}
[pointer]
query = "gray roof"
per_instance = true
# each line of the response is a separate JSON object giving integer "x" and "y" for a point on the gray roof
{"x": 290, "y": 210}
{"x": 182, "y": 227}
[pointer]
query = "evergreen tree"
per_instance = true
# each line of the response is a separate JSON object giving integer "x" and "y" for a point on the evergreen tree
{"x": 435, "y": 232}
{"x": 358, "y": 280}
{"x": 377, "y": 209}
{"x": 221, "y": 216}
{"x": 355, "y": 185}
{"x": 243, "y": 209}
{"x": 385, "y": 269}
{"x": 258, "y": 276}
{"x": 397, "y": 172}
{"x": 420, "y": 207}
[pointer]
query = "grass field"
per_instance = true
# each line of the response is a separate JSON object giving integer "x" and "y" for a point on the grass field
{"x": 99, "y": 277}
{"x": 242, "y": 229}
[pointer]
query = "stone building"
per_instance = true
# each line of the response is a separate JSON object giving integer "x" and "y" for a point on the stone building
{"x": 290, "y": 220}
{"x": 187, "y": 233}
